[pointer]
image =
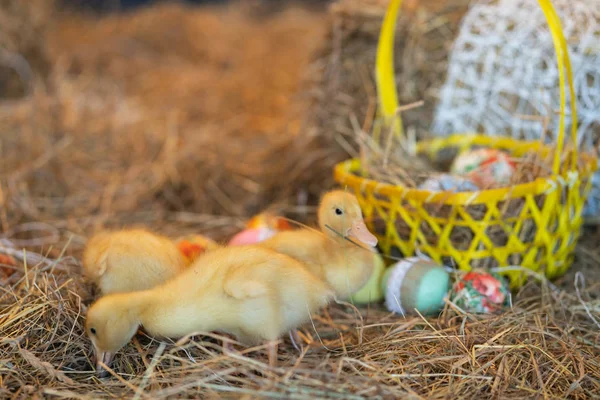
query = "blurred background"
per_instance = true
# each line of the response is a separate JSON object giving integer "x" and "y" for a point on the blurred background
{"x": 113, "y": 119}
{"x": 171, "y": 114}
{"x": 195, "y": 115}
{"x": 122, "y": 5}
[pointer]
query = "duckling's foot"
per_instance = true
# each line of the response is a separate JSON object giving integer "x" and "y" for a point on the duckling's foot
{"x": 272, "y": 352}
{"x": 295, "y": 338}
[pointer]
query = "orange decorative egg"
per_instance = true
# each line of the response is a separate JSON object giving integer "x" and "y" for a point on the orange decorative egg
{"x": 194, "y": 245}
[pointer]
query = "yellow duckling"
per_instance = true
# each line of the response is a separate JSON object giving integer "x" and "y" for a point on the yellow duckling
{"x": 341, "y": 256}
{"x": 250, "y": 292}
{"x": 130, "y": 259}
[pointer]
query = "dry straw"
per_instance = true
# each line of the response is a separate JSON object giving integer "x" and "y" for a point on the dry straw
{"x": 425, "y": 32}
{"x": 125, "y": 117}
{"x": 547, "y": 343}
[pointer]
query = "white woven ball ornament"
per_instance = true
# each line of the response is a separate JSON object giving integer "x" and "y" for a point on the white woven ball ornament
{"x": 502, "y": 76}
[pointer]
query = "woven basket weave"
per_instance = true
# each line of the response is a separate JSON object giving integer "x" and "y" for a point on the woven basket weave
{"x": 539, "y": 221}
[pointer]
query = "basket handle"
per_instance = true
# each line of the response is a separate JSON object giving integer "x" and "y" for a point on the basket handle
{"x": 563, "y": 61}
{"x": 386, "y": 81}
{"x": 385, "y": 78}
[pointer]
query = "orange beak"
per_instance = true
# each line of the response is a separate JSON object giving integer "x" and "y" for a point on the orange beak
{"x": 359, "y": 231}
{"x": 102, "y": 358}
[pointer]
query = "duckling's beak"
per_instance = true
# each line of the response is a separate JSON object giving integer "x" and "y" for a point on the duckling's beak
{"x": 359, "y": 231}
{"x": 105, "y": 358}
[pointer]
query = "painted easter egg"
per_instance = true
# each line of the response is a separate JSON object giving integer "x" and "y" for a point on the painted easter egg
{"x": 416, "y": 283}
{"x": 251, "y": 236}
{"x": 268, "y": 220}
{"x": 372, "y": 291}
{"x": 485, "y": 167}
{"x": 193, "y": 246}
{"x": 260, "y": 228}
{"x": 6, "y": 261}
{"x": 448, "y": 183}
{"x": 481, "y": 292}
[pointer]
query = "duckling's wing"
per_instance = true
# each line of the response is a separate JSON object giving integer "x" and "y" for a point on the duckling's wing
{"x": 95, "y": 266}
{"x": 242, "y": 284}
{"x": 103, "y": 263}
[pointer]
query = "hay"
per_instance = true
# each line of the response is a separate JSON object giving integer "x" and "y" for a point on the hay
{"x": 425, "y": 31}
{"x": 547, "y": 343}
{"x": 203, "y": 116}
{"x": 22, "y": 53}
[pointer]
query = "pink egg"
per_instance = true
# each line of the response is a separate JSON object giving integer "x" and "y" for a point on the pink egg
{"x": 251, "y": 236}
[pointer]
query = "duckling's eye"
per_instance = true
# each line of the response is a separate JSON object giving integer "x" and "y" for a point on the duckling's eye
{"x": 338, "y": 211}
{"x": 93, "y": 331}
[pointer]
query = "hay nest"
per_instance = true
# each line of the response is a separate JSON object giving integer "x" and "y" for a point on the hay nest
{"x": 546, "y": 344}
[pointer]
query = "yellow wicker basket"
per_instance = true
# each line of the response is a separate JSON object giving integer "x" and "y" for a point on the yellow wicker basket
{"x": 539, "y": 222}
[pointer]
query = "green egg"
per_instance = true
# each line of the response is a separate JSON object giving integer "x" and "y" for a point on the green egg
{"x": 385, "y": 278}
{"x": 420, "y": 285}
{"x": 432, "y": 289}
{"x": 372, "y": 291}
